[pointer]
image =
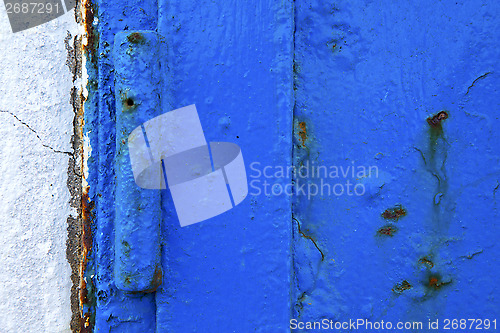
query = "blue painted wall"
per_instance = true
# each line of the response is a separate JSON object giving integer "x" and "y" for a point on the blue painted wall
{"x": 331, "y": 84}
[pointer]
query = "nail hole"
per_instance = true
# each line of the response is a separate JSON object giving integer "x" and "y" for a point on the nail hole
{"x": 129, "y": 102}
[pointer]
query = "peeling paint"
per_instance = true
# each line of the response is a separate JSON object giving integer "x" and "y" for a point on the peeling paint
{"x": 401, "y": 287}
{"x": 387, "y": 230}
{"x": 394, "y": 213}
{"x": 85, "y": 11}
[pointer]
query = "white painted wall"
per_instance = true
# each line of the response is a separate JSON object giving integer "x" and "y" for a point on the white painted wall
{"x": 35, "y": 122}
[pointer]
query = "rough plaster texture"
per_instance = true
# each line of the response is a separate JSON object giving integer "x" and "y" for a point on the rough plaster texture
{"x": 36, "y": 124}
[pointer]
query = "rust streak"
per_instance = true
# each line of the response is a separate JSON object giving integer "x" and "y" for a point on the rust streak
{"x": 87, "y": 218}
{"x": 88, "y": 16}
{"x": 89, "y": 47}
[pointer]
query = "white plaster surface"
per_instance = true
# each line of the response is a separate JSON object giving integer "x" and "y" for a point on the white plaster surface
{"x": 35, "y": 85}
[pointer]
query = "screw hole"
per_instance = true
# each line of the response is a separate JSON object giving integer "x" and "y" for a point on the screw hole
{"x": 129, "y": 102}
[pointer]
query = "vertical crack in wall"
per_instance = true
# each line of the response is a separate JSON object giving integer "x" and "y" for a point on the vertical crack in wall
{"x": 302, "y": 143}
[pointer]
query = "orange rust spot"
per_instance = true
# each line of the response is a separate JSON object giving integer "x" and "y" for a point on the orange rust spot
{"x": 86, "y": 325}
{"x": 394, "y": 213}
{"x": 303, "y": 132}
{"x": 387, "y": 230}
{"x": 436, "y": 283}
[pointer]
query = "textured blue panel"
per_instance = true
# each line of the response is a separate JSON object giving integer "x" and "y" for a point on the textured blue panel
{"x": 233, "y": 60}
{"x": 368, "y": 75}
{"x": 116, "y": 311}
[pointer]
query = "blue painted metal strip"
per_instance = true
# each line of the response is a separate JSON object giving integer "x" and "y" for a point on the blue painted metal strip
{"x": 138, "y": 213}
{"x": 117, "y": 311}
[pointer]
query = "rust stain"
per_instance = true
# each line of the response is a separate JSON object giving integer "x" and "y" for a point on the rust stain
{"x": 426, "y": 262}
{"x": 87, "y": 205}
{"x": 401, "y": 287}
{"x": 157, "y": 280}
{"x": 436, "y": 283}
{"x": 394, "y": 213}
{"x": 435, "y": 121}
{"x": 129, "y": 102}
{"x": 87, "y": 12}
{"x": 387, "y": 230}
{"x": 86, "y": 324}
{"x": 136, "y": 38}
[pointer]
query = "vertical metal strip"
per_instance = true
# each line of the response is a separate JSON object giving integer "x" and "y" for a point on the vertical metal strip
{"x": 138, "y": 211}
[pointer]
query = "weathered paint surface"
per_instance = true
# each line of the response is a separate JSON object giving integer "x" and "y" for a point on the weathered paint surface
{"x": 117, "y": 311}
{"x": 233, "y": 271}
{"x": 369, "y": 76}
